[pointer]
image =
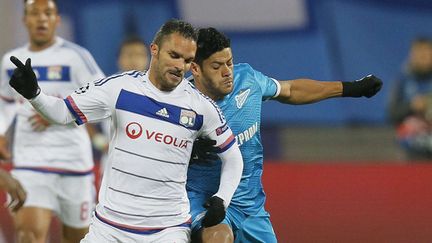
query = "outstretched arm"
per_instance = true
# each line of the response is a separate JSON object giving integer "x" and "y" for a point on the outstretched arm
{"x": 305, "y": 91}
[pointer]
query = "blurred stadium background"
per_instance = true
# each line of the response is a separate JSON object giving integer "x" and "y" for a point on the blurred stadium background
{"x": 333, "y": 172}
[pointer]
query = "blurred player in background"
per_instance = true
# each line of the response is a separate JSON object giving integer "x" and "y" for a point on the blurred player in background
{"x": 156, "y": 117}
{"x": 133, "y": 55}
{"x": 239, "y": 91}
{"x": 410, "y": 107}
{"x": 53, "y": 163}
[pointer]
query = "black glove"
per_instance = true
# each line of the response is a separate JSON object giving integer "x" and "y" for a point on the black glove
{"x": 203, "y": 152}
{"x": 367, "y": 86}
{"x": 23, "y": 79}
{"x": 215, "y": 211}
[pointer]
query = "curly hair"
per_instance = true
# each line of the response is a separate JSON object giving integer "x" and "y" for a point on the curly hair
{"x": 209, "y": 42}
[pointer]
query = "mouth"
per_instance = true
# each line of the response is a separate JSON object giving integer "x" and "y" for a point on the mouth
{"x": 228, "y": 82}
{"x": 41, "y": 30}
{"x": 176, "y": 75}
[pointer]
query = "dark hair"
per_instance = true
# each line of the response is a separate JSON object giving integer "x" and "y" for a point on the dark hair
{"x": 209, "y": 42}
{"x": 422, "y": 40}
{"x": 175, "y": 26}
{"x": 129, "y": 41}
{"x": 25, "y": 2}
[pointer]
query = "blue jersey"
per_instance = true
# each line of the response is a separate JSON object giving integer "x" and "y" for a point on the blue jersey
{"x": 242, "y": 109}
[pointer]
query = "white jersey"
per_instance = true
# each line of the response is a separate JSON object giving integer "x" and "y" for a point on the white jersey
{"x": 153, "y": 133}
{"x": 60, "y": 69}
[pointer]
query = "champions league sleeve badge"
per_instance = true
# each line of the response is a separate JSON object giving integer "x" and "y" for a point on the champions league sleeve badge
{"x": 187, "y": 118}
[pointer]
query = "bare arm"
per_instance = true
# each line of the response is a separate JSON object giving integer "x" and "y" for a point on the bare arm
{"x": 305, "y": 91}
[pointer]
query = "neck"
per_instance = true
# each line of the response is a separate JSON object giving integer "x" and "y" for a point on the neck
{"x": 39, "y": 47}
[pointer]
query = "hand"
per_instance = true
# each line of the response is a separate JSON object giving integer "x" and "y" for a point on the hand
{"x": 38, "y": 123}
{"x": 215, "y": 211}
{"x": 4, "y": 151}
{"x": 367, "y": 86}
{"x": 23, "y": 79}
{"x": 203, "y": 152}
{"x": 15, "y": 190}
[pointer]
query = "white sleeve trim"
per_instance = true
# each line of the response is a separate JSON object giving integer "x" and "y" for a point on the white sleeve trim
{"x": 52, "y": 108}
{"x": 278, "y": 90}
{"x": 232, "y": 170}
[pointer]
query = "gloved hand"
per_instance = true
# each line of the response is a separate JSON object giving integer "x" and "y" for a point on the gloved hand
{"x": 23, "y": 79}
{"x": 215, "y": 211}
{"x": 367, "y": 86}
{"x": 203, "y": 152}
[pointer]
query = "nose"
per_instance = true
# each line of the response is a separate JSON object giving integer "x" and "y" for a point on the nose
{"x": 227, "y": 71}
{"x": 42, "y": 16}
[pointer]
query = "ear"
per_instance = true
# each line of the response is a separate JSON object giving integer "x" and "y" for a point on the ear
{"x": 195, "y": 69}
{"x": 58, "y": 20}
{"x": 154, "y": 49}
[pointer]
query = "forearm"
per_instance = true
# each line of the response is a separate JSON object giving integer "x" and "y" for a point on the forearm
{"x": 52, "y": 108}
{"x": 305, "y": 91}
{"x": 232, "y": 169}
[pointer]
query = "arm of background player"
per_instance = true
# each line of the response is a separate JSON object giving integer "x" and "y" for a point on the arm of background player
{"x": 232, "y": 169}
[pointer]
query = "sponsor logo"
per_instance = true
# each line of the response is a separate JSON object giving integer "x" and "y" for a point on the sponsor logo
{"x": 247, "y": 134}
{"x": 187, "y": 118}
{"x": 241, "y": 97}
{"x": 163, "y": 112}
{"x": 133, "y": 130}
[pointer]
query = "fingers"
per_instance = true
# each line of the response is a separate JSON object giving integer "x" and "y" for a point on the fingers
{"x": 28, "y": 63}
{"x": 17, "y": 62}
{"x": 38, "y": 123}
{"x": 18, "y": 196}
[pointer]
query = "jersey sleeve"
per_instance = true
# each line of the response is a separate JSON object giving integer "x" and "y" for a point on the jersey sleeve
{"x": 270, "y": 87}
{"x": 92, "y": 102}
{"x": 216, "y": 128}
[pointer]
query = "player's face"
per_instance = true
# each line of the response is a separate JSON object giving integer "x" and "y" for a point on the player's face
{"x": 41, "y": 19}
{"x": 171, "y": 60}
{"x": 133, "y": 57}
{"x": 421, "y": 57}
{"x": 216, "y": 74}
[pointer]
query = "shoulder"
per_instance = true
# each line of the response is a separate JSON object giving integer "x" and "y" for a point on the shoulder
{"x": 74, "y": 50}
{"x": 18, "y": 52}
{"x": 243, "y": 68}
{"x": 120, "y": 78}
{"x": 204, "y": 103}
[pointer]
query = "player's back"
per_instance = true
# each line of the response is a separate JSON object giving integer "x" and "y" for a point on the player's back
{"x": 242, "y": 109}
{"x": 60, "y": 69}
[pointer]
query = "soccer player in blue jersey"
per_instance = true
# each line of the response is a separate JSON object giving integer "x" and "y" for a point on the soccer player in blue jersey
{"x": 240, "y": 91}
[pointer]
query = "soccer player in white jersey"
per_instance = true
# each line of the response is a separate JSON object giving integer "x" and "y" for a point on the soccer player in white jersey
{"x": 156, "y": 116}
{"x": 53, "y": 163}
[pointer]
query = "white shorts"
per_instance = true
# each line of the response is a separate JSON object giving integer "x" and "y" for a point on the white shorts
{"x": 72, "y": 198}
{"x": 101, "y": 232}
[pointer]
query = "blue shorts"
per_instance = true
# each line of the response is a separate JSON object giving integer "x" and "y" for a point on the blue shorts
{"x": 246, "y": 228}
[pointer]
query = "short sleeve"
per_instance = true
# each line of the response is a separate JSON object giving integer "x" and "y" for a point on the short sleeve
{"x": 270, "y": 87}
